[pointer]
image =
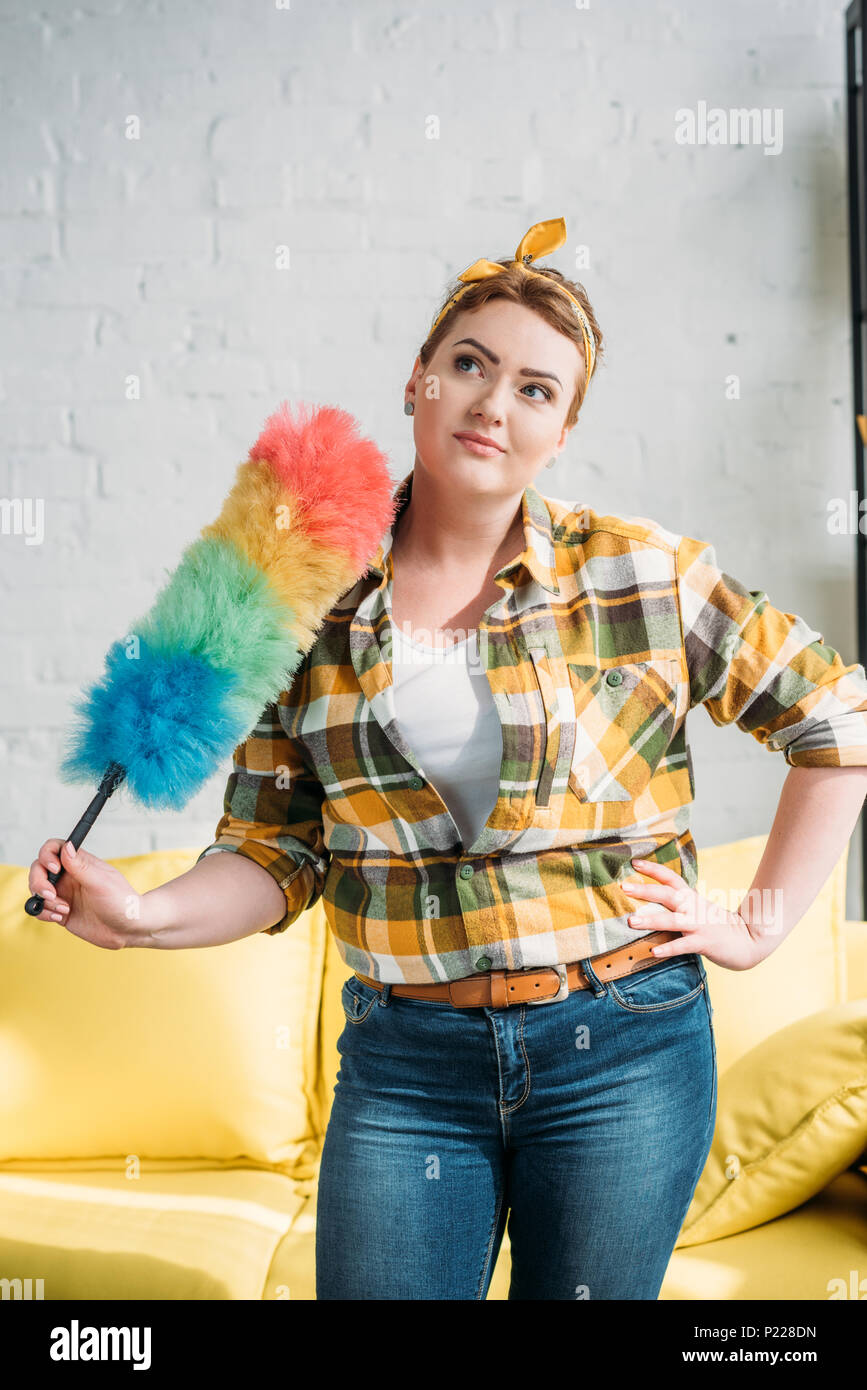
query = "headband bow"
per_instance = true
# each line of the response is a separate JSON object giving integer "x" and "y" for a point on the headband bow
{"x": 540, "y": 240}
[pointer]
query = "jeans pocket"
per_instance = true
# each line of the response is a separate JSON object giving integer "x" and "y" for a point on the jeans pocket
{"x": 667, "y": 984}
{"x": 358, "y": 999}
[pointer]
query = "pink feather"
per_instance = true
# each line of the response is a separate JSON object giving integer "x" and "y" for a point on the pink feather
{"x": 339, "y": 480}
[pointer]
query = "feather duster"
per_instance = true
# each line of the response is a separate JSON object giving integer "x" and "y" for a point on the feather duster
{"x": 233, "y": 622}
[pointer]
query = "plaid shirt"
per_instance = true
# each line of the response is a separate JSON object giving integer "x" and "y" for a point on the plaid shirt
{"x": 609, "y": 630}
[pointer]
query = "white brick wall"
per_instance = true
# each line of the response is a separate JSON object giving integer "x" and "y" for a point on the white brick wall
{"x": 306, "y": 127}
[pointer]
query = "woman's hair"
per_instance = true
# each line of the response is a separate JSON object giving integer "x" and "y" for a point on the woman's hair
{"x": 513, "y": 284}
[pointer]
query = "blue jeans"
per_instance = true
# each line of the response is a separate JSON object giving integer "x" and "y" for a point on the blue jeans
{"x": 585, "y": 1123}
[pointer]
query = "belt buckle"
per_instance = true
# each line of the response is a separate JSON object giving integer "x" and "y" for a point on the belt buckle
{"x": 562, "y": 992}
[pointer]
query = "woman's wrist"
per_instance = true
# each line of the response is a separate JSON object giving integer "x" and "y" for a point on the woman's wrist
{"x": 765, "y": 929}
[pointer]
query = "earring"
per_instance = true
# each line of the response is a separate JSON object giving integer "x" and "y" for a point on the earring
{"x": 551, "y": 464}
{"x": 408, "y": 407}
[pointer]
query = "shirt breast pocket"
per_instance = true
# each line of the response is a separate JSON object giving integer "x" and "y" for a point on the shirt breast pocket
{"x": 625, "y": 718}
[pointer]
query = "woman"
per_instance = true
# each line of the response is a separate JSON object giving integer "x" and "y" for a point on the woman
{"x": 490, "y": 726}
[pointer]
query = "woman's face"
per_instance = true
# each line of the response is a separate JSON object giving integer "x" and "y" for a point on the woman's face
{"x": 513, "y": 383}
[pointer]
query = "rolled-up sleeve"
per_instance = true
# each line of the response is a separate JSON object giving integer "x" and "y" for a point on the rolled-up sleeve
{"x": 765, "y": 670}
{"x": 272, "y": 814}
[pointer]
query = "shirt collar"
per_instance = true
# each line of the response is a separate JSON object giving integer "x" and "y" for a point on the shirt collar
{"x": 538, "y": 556}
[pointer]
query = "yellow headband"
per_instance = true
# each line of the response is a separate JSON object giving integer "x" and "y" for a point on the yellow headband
{"x": 540, "y": 240}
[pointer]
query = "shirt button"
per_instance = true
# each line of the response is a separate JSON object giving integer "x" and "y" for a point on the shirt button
{"x": 466, "y": 871}
{"x": 483, "y": 963}
{"x": 614, "y": 677}
{"x": 416, "y": 783}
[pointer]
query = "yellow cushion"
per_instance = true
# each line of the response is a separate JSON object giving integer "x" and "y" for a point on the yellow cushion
{"x": 815, "y": 1253}
{"x": 806, "y": 972}
{"x": 189, "y": 1235}
{"x": 193, "y": 1058}
{"x": 791, "y": 1115}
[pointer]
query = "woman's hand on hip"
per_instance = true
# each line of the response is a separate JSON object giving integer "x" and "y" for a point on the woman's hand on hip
{"x": 706, "y": 927}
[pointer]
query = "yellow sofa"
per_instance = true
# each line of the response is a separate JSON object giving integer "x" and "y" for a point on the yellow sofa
{"x": 162, "y": 1112}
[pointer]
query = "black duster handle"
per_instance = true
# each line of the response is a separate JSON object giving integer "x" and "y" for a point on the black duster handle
{"x": 111, "y": 780}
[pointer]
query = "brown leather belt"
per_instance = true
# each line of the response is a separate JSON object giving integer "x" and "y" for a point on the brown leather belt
{"x": 500, "y": 988}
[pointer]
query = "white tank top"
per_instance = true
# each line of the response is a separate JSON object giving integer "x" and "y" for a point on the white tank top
{"x": 444, "y": 705}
